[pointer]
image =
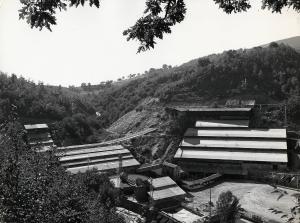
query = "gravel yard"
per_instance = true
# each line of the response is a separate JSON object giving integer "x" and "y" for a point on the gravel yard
{"x": 259, "y": 199}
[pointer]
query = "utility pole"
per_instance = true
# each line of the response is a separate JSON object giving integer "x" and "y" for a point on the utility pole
{"x": 210, "y": 204}
{"x": 119, "y": 171}
{"x": 151, "y": 192}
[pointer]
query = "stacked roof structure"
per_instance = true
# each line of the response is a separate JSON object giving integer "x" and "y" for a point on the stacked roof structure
{"x": 165, "y": 190}
{"x": 38, "y": 136}
{"x": 229, "y": 146}
{"x": 103, "y": 158}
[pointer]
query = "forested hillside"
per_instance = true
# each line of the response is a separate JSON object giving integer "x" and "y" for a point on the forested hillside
{"x": 70, "y": 115}
{"x": 268, "y": 74}
{"x": 293, "y": 42}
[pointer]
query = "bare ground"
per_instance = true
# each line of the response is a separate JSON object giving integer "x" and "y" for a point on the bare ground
{"x": 259, "y": 199}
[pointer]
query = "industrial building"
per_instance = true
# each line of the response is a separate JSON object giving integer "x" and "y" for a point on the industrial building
{"x": 165, "y": 193}
{"x": 161, "y": 169}
{"x": 103, "y": 158}
{"x": 231, "y": 147}
{"x": 209, "y": 113}
{"x": 218, "y": 143}
{"x": 38, "y": 136}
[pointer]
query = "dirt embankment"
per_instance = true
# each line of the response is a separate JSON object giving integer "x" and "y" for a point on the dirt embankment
{"x": 149, "y": 114}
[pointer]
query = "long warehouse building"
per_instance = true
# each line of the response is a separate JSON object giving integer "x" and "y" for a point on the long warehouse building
{"x": 230, "y": 147}
{"x": 103, "y": 158}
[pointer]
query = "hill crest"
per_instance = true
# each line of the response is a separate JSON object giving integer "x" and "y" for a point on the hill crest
{"x": 293, "y": 42}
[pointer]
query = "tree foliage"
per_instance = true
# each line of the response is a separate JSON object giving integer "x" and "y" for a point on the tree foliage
{"x": 235, "y": 6}
{"x": 34, "y": 187}
{"x": 159, "y": 15}
{"x": 227, "y": 207}
{"x": 70, "y": 114}
{"x": 41, "y": 13}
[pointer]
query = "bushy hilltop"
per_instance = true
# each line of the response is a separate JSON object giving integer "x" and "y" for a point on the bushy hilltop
{"x": 268, "y": 74}
{"x": 70, "y": 114}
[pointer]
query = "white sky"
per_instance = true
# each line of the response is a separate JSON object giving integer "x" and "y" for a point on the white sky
{"x": 87, "y": 44}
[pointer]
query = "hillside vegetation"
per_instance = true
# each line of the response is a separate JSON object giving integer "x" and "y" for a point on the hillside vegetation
{"x": 269, "y": 75}
{"x": 70, "y": 115}
{"x": 293, "y": 42}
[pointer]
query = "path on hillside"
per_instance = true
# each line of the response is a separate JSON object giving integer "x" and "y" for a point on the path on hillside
{"x": 109, "y": 142}
{"x": 129, "y": 136}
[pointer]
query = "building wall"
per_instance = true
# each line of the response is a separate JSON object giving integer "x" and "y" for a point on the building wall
{"x": 233, "y": 168}
{"x": 211, "y": 167}
{"x": 168, "y": 203}
{"x": 254, "y": 168}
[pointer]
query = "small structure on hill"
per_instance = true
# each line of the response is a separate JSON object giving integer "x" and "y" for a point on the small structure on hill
{"x": 240, "y": 103}
{"x": 38, "y": 136}
{"x": 81, "y": 158}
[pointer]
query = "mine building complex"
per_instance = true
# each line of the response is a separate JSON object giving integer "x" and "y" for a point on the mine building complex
{"x": 218, "y": 142}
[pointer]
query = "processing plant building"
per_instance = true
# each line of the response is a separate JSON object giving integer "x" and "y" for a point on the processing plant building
{"x": 229, "y": 146}
{"x": 81, "y": 158}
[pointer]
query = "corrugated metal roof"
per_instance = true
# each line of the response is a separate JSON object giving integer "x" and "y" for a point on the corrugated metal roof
{"x": 104, "y": 166}
{"x": 167, "y": 193}
{"x": 184, "y": 216}
{"x": 234, "y": 143}
{"x": 74, "y": 163}
{"x": 41, "y": 143}
{"x": 36, "y": 126}
{"x": 231, "y": 155}
{"x": 222, "y": 124}
{"x": 241, "y": 133}
{"x": 88, "y": 146}
{"x": 209, "y": 109}
{"x": 96, "y": 154}
{"x": 84, "y": 157}
{"x": 162, "y": 182}
{"x": 92, "y": 150}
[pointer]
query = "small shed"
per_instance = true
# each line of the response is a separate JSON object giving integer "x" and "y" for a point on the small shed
{"x": 38, "y": 136}
{"x": 165, "y": 193}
